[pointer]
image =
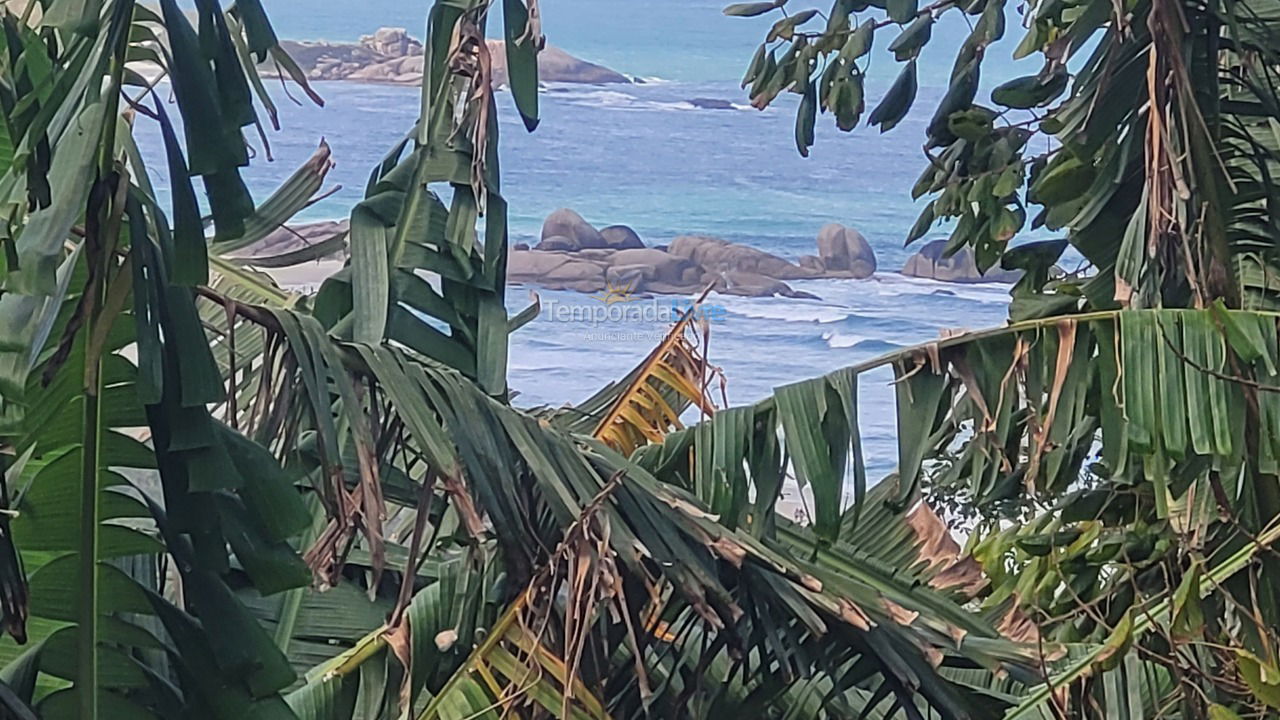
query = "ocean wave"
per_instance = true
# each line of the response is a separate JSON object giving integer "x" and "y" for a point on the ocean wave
{"x": 893, "y": 285}
{"x": 617, "y": 100}
{"x": 620, "y": 100}
{"x": 884, "y": 294}
{"x": 773, "y": 309}
{"x": 837, "y": 339}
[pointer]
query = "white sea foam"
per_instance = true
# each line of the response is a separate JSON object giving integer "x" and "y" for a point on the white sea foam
{"x": 780, "y": 309}
{"x": 617, "y": 100}
{"x": 894, "y": 285}
{"x": 621, "y": 100}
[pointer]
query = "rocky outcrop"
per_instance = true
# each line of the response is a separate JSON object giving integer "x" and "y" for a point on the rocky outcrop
{"x": 742, "y": 282}
{"x": 395, "y": 42}
{"x": 812, "y": 262}
{"x": 621, "y": 237}
{"x": 844, "y": 250}
{"x": 556, "y": 65}
{"x": 719, "y": 255}
{"x": 565, "y": 229}
{"x": 652, "y": 265}
{"x": 391, "y": 55}
{"x": 703, "y": 103}
{"x": 573, "y": 255}
{"x": 930, "y": 263}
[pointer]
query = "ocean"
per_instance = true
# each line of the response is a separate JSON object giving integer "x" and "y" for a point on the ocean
{"x": 645, "y": 156}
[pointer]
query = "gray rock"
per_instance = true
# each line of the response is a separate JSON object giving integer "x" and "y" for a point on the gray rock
{"x": 812, "y": 262}
{"x": 391, "y": 41}
{"x": 569, "y": 224}
{"x": 556, "y": 243}
{"x": 722, "y": 256}
{"x": 604, "y": 255}
{"x": 959, "y": 268}
{"x": 532, "y": 266}
{"x": 844, "y": 250}
{"x": 390, "y": 55}
{"x": 575, "y": 272}
{"x": 627, "y": 276}
{"x": 691, "y": 264}
{"x": 666, "y": 288}
{"x": 711, "y": 104}
{"x": 621, "y": 237}
{"x": 555, "y": 65}
{"x": 326, "y": 61}
{"x": 659, "y": 266}
{"x": 739, "y": 282}
{"x": 378, "y": 72}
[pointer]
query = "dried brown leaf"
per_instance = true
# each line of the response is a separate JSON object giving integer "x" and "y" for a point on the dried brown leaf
{"x": 853, "y": 615}
{"x": 730, "y": 550}
{"x": 899, "y": 614}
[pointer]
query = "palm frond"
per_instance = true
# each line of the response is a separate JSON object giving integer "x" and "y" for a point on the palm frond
{"x": 648, "y": 402}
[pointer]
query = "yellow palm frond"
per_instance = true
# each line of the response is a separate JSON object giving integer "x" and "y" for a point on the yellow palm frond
{"x": 673, "y": 377}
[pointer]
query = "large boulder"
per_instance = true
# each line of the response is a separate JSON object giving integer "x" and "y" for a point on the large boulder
{"x": 630, "y": 277}
{"x": 812, "y": 262}
{"x": 554, "y": 65}
{"x": 375, "y": 73}
{"x": 621, "y": 237}
{"x": 530, "y": 266}
{"x": 711, "y": 103}
{"x": 393, "y": 42}
{"x": 556, "y": 243}
{"x": 844, "y": 250}
{"x": 658, "y": 266}
{"x": 720, "y": 255}
{"x": 326, "y": 61}
{"x": 930, "y": 263}
{"x": 391, "y": 55}
{"x": 641, "y": 279}
{"x": 575, "y": 271}
{"x": 556, "y": 270}
{"x": 575, "y": 274}
{"x": 741, "y": 282}
{"x": 568, "y": 224}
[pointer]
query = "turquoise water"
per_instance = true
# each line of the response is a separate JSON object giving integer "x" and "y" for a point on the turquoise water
{"x": 643, "y": 155}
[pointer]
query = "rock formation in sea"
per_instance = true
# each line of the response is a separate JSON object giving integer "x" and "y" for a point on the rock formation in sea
{"x": 843, "y": 250}
{"x": 391, "y": 55}
{"x": 931, "y": 263}
{"x": 573, "y": 255}
{"x": 704, "y": 103}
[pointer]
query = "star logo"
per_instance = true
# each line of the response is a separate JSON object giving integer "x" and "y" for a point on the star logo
{"x": 617, "y": 293}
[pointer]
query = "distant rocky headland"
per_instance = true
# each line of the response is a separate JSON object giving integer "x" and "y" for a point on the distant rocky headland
{"x": 391, "y": 55}
{"x": 572, "y": 254}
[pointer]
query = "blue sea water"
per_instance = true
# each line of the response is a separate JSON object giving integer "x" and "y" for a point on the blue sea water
{"x": 643, "y": 155}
